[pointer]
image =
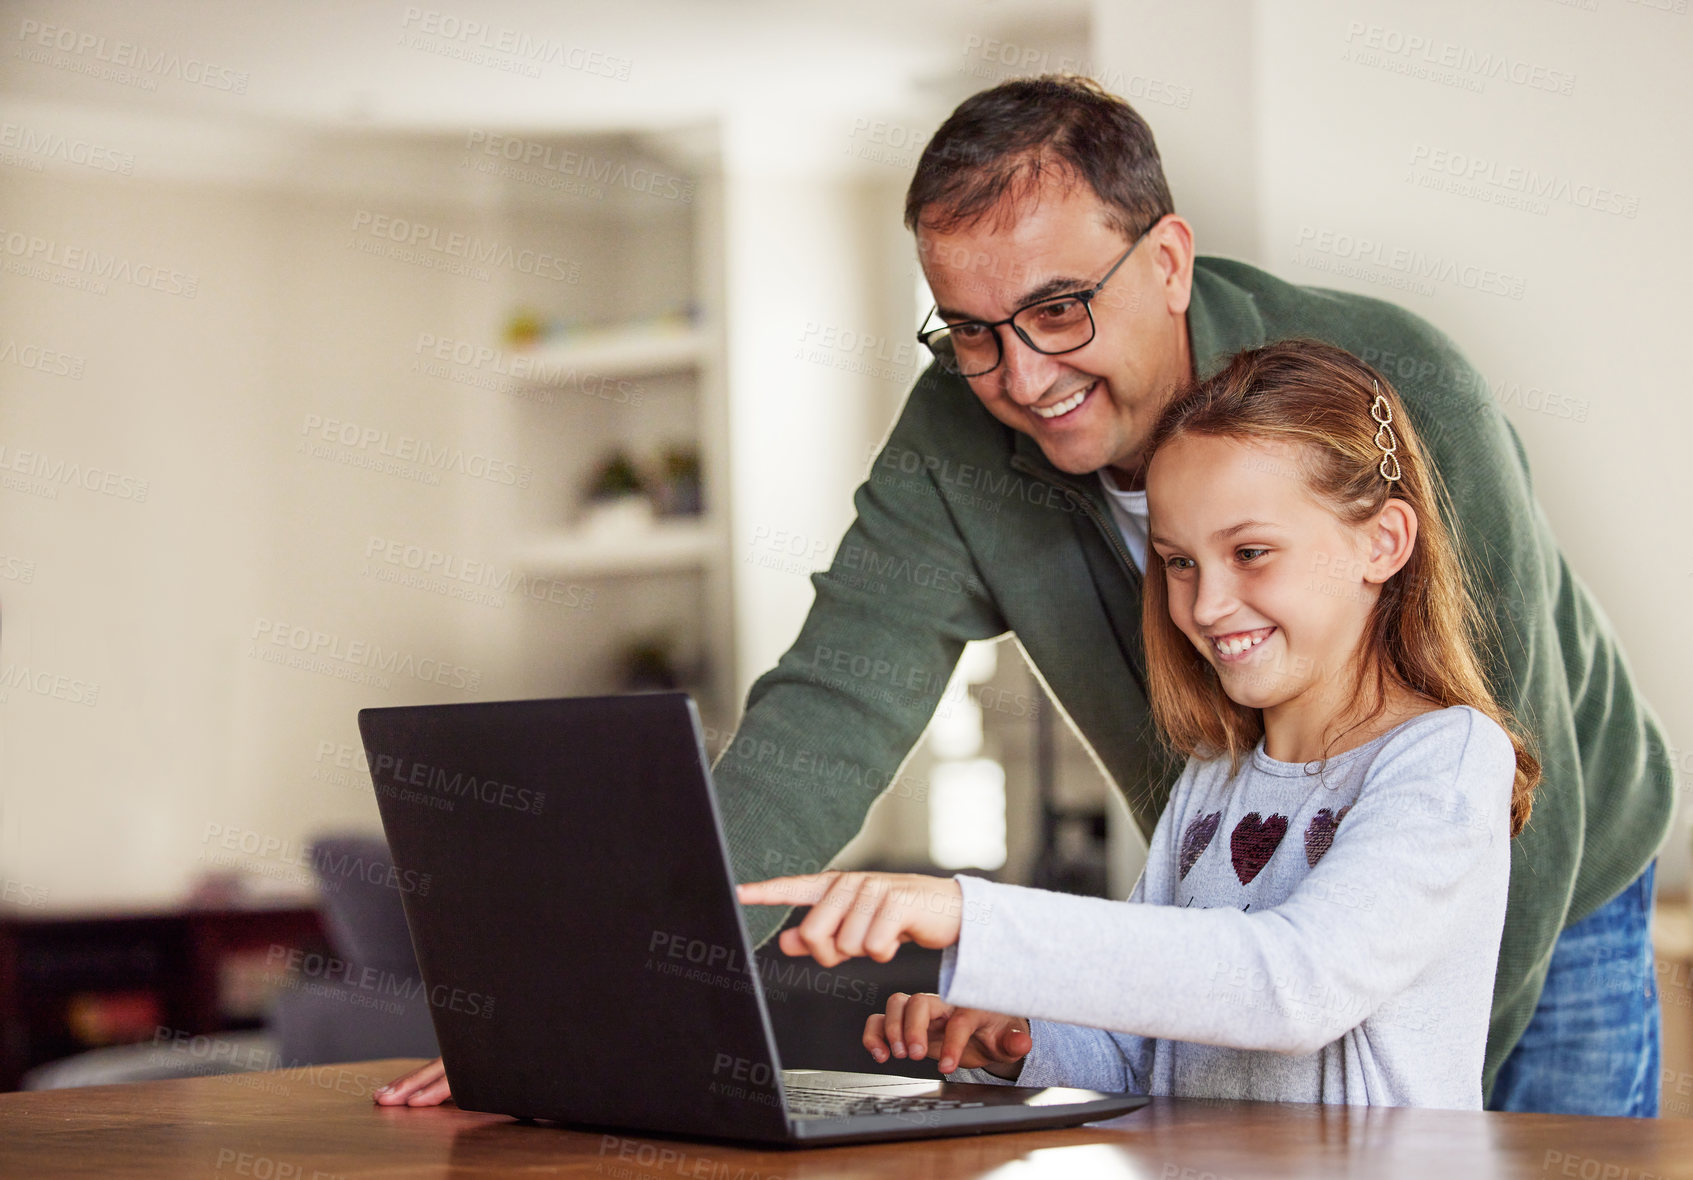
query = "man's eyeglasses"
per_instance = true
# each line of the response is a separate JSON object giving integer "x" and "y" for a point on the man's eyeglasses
{"x": 1058, "y": 324}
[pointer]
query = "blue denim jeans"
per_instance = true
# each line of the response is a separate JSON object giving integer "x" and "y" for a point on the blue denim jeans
{"x": 1593, "y": 1044}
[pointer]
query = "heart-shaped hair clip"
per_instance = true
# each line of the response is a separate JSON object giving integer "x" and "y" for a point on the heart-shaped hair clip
{"x": 1383, "y": 415}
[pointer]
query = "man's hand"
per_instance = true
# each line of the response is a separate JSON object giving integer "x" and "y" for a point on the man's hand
{"x": 972, "y": 1038}
{"x": 423, "y": 1086}
{"x": 855, "y": 914}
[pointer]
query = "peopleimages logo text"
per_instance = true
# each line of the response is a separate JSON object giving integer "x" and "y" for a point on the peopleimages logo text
{"x": 534, "y": 153}
{"x": 323, "y": 646}
{"x": 415, "y": 450}
{"x": 410, "y": 772}
{"x": 88, "y": 260}
{"x": 420, "y": 235}
{"x": 60, "y": 471}
{"x": 128, "y": 55}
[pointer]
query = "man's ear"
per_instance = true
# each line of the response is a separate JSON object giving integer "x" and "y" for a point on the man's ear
{"x": 1172, "y": 239}
{"x": 1392, "y": 535}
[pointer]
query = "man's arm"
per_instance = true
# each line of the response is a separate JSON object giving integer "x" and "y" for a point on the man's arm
{"x": 826, "y": 730}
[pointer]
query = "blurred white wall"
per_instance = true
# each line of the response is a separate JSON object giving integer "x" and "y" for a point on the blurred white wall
{"x": 809, "y": 387}
{"x": 245, "y": 173}
{"x": 255, "y": 523}
{"x": 1316, "y": 126}
{"x": 233, "y": 150}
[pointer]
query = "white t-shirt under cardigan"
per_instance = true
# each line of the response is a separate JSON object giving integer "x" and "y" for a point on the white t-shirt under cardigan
{"x": 1296, "y": 936}
{"x": 1129, "y": 510}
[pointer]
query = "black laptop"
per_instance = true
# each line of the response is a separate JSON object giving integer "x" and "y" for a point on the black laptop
{"x": 582, "y": 951}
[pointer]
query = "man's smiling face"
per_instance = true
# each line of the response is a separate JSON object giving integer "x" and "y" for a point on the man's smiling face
{"x": 1093, "y": 407}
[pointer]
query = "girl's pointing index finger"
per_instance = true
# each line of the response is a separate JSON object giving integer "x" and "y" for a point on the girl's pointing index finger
{"x": 807, "y": 890}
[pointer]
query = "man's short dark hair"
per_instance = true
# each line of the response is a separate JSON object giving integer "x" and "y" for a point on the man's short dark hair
{"x": 1010, "y": 138}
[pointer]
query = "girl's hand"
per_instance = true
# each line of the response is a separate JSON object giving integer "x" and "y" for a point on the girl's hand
{"x": 972, "y": 1038}
{"x": 424, "y": 1086}
{"x": 856, "y": 914}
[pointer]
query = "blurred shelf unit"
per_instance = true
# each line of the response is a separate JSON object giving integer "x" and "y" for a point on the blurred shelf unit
{"x": 580, "y": 553}
{"x": 73, "y": 980}
{"x": 626, "y": 352}
{"x": 637, "y": 350}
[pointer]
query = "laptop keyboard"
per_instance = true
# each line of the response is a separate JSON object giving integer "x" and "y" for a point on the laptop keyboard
{"x": 822, "y": 1103}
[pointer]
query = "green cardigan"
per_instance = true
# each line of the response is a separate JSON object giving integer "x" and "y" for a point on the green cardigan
{"x": 965, "y": 531}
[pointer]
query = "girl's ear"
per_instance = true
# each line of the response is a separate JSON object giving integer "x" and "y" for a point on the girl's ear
{"x": 1392, "y": 536}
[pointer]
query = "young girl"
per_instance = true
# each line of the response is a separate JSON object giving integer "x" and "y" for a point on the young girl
{"x": 1320, "y": 913}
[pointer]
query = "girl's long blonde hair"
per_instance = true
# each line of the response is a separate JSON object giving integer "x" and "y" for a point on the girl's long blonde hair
{"x": 1423, "y": 633}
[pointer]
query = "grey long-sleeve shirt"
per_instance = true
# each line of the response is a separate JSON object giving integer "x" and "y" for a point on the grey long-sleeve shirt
{"x": 1297, "y": 937}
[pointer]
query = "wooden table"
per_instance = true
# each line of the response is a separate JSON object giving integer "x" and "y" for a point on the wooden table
{"x": 320, "y": 1124}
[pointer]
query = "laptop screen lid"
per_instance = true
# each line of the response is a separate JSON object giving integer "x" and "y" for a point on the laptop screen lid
{"x": 578, "y": 935}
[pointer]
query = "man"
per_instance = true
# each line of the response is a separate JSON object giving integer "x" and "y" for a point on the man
{"x": 1071, "y": 307}
{"x": 1024, "y": 480}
